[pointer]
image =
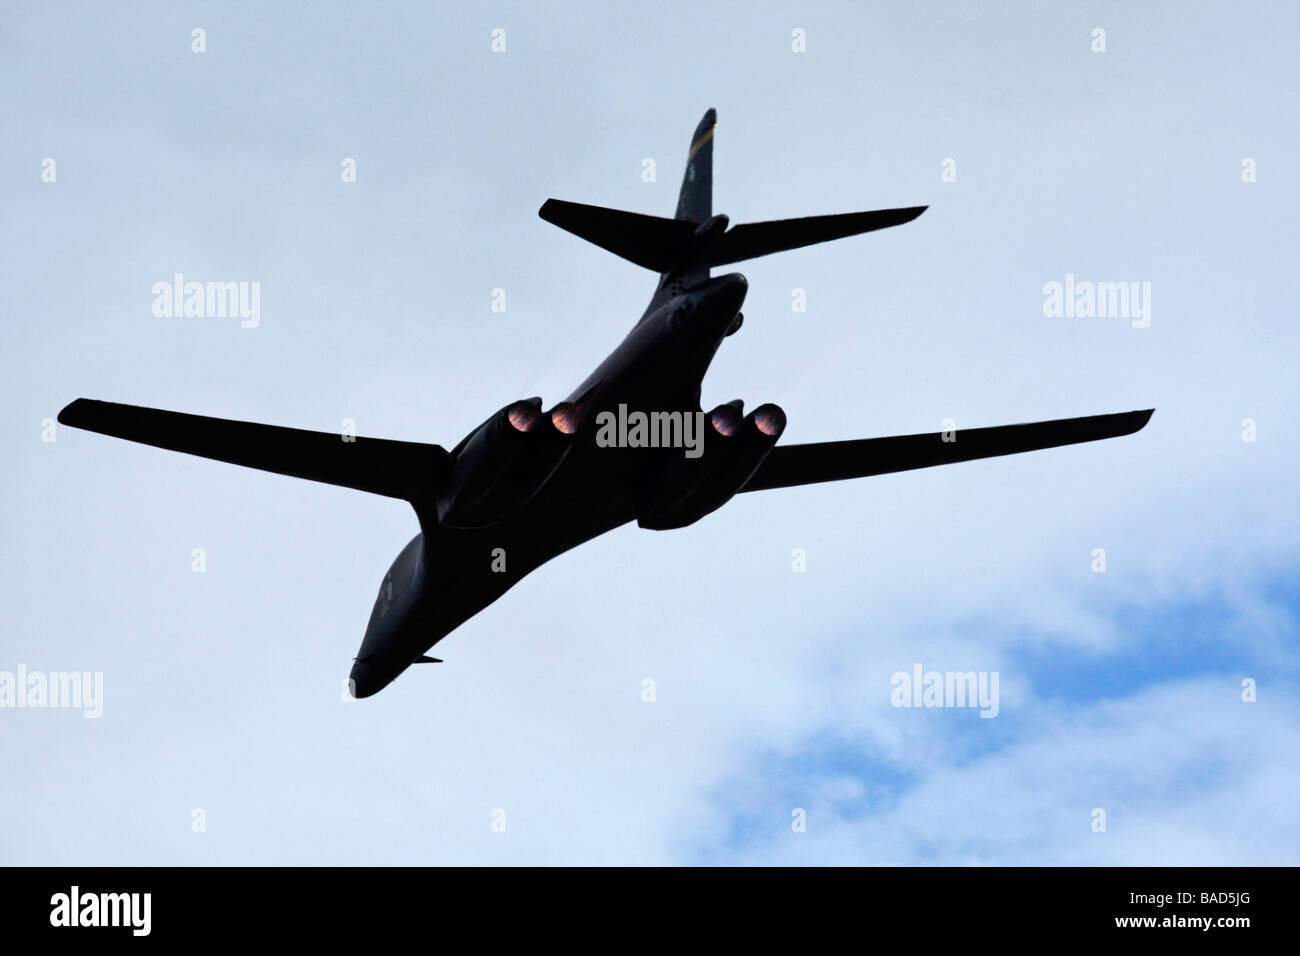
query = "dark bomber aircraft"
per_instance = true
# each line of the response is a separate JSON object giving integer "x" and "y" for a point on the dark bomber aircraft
{"x": 529, "y": 484}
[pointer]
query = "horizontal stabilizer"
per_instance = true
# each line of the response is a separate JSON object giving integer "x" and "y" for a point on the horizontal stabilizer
{"x": 426, "y": 659}
{"x": 649, "y": 241}
{"x": 398, "y": 469}
{"x": 661, "y": 244}
{"x": 790, "y": 465}
{"x": 754, "y": 239}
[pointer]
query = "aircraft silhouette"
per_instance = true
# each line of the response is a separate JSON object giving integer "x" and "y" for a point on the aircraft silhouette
{"x": 528, "y": 485}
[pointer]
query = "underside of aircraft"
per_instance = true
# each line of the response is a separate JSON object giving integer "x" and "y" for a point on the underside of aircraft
{"x": 530, "y": 483}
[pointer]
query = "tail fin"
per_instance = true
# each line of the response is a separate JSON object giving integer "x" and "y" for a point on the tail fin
{"x": 688, "y": 248}
{"x": 695, "y": 201}
{"x": 651, "y": 242}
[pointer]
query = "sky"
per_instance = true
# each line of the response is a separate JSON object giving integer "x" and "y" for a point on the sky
{"x": 1161, "y": 691}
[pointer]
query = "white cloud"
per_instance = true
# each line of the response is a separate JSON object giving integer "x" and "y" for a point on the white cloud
{"x": 1186, "y": 774}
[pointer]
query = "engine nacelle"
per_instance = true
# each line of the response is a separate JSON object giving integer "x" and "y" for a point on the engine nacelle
{"x": 504, "y": 463}
{"x": 734, "y": 449}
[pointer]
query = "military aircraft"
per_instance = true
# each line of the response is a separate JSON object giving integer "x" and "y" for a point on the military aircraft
{"x": 529, "y": 484}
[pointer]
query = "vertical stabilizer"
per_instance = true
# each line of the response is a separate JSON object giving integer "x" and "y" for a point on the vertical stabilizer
{"x": 695, "y": 202}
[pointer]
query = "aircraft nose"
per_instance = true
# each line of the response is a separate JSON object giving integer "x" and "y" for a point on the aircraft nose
{"x": 360, "y": 681}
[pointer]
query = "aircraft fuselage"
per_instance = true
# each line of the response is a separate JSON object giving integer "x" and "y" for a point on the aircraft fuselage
{"x": 446, "y": 575}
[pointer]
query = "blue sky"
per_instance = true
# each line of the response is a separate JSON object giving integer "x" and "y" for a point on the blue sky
{"x": 222, "y": 690}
